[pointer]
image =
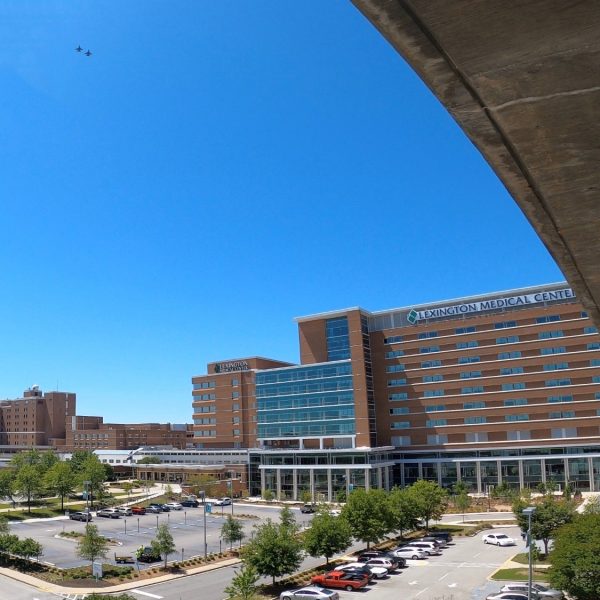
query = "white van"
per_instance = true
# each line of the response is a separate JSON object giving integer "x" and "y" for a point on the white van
{"x": 430, "y": 548}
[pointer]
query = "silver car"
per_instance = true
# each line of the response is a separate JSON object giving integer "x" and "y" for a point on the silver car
{"x": 541, "y": 590}
{"x": 310, "y": 592}
{"x": 412, "y": 553}
{"x": 511, "y": 596}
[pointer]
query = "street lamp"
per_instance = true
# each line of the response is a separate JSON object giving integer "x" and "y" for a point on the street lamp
{"x": 528, "y": 512}
{"x": 86, "y": 487}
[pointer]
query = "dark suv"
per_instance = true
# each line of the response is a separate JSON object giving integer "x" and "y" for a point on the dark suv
{"x": 190, "y": 502}
{"x": 308, "y": 508}
{"x": 395, "y": 560}
{"x": 442, "y": 535}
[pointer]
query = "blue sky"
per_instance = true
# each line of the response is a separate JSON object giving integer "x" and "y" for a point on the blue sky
{"x": 211, "y": 171}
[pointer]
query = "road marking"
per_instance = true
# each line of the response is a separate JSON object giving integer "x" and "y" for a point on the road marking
{"x": 419, "y": 593}
{"x": 476, "y": 555}
{"x": 146, "y": 594}
{"x": 443, "y": 576}
{"x": 452, "y": 585}
{"x": 413, "y": 583}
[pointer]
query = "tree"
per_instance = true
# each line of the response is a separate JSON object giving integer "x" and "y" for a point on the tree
{"x": 592, "y": 506}
{"x": 403, "y": 510}
{"x": 149, "y": 460}
{"x": 169, "y": 491}
{"x": 268, "y": 495}
{"x": 28, "y": 482}
{"x": 4, "y": 527}
{"x": 7, "y": 484}
{"x": 78, "y": 459}
{"x": 305, "y": 496}
{"x": 369, "y": 514}
{"x": 575, "y": 564}
{"x": 549, "y": 515}
{"x": 462, "y": 501}
{"x": 28, "y": 548}
{"x": 128, "y": 488}
{"x": 243, "y": 585}
{"x": 287, "y": 519}
{"x": 163, "y": 543}
{"x": 92, "y": 470}
{"x": 327, "y": 535}
{"x": 61, "y": 480}
{"x": 273, "y": 551}
{"x": 203, "y": 483}
{"x": 429, "y": 499}
{"x": 92, "y": 545}
{"x": 232, "y": 531}
{"x": 8, "y": 542}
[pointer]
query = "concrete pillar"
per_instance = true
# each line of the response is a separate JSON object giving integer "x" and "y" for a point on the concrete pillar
{"x": 262, "y": 481}
{"x": 458, "y": 473}
{"x": 543, "y": 467}
{"x": 499, "y": 469}
{"x": 311, "y": 473}
{"x": 591, "y": 474}
{"x": 295, "y": 484}
{"x": 379, "y": 478}
{"x": 402, "y": 484}
{"x": 566, "y": 461}
{"x": 439, "y": 473}
{"x": 278, "y": 480}
{"x": 420, "y": 467}
{"x": 521, "y": 475}
{"x": 329, "y": 487}
{"x": 386, "y": 478}
{"x": 367, "y": 479}
{"x": 347, "y": 482}
{"x": 478, "y": 475}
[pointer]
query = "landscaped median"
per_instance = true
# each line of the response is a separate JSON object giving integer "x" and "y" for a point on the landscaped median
{"x": 517, "y": 569}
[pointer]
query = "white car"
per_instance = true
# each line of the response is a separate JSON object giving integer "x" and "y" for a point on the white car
{"x": 124, "y": 511}
{"x": 412, "y": 553}
{"x": 174, "y": 506}
{"x": 429, "y": 548}
{"x": 310, "y": 592}
{"x": 498, "y": 539}
{"x": 222, "y": 502}
{"x": 542, "y": 591}
{"x": 383, "y": 563}
{"x": 378, "y": 572}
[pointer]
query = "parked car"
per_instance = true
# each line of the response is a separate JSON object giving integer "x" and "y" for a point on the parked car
{"x": 543, "y": 592}
{"x": 499, "y": 539}
{"x": 439, "y": 541}
{"x": 174, "y": 506}
{"x": 125, "y": 511}
{"x": 370, "y": 572}
{"x": 138, "y": 510}
{"x": 429, "y": 548}
{"x": 444, "y": 535}
{"x": 80, "y": 516}
{"x": 147, "y": 555}
{"x": 510, "y": 596}
{"x": 109, "y": 513}
{"x": 412, "y": 553}
{"x": 222, "y": 501}
{"x": 378, "y": 554}
{"x": 310, "y": 592}
{"x": 165, "y": 508}
{"x": 154, "y": 509}
{"x": 190, "y": 503}
{"x": 309, "y": 508}
{"x": 339, "y": 579}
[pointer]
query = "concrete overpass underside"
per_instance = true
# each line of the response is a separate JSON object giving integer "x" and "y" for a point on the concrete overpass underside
{"x": 522, "y": 79}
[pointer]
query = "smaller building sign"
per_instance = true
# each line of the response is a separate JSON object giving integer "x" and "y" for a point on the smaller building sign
{"x": 228, "y": 367}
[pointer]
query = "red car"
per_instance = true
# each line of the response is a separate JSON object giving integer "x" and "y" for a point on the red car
{"x": 341, "y": 579}
{"x": 138, "y": 510}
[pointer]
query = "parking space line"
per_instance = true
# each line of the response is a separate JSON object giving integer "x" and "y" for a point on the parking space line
{"x": 444, "y": 576}
{"x": 147, "y": 594}
{"x": 419, "y": 593}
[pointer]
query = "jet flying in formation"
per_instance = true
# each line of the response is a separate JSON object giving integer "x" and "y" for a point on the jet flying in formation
{"x": 80, "y": 49}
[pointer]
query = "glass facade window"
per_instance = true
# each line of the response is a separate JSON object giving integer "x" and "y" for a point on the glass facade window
{"x": 470, "y": 344}
{"x": 509, "y": 339}
{"x": 590, "y": 330}
{"x": 431, "y": 363}
{"x": 511, "y": 371}
{"x": 546, "y": 335}
{"x": 470, "y": 374}
{"x": 507, "y": 387}
{"x": 395, "y": 368}
{"x": 561, "y": 414}
{"x": 489, "y": 474}
{"x": 557, "y": 382}
{"x": 475, "y": 389}
{"x": 474, "y": 420}
{"x": 594, "y": 346}
{"x": 461, "y": 330}
{"x": 448, "y": 472}
{"x": 564, "y": 432}
{"x": 553, "y": 350}
{"x": 480, "y": 436}
{"x": 436, "y": 422}
{"x": 566, "y": 398}
{"x": 507, "y": 355}
{"x": 432, "y": 378}
{"x": 595, "y": 362}
{"x": 426, "y": 349}
{"x": 315, "y": 400}
{"x": 396, "y": 382}
{"x": 556, "y": 366}
{"x": 438, "y": 438}
{"x": 435, "y": 408}
{"x": 424, "y": 335}
{"x": 433, "y": 393}
{"x": 393, "y": 339}
{"x": 505, "y": 324}
{"x": 398, "y": 396}
{"x": 471, "y": 405}
{"x": 548, "y": 319}
{"x": 532, "y": 473}
{"x": 400, "y": 425}
{"x": 516, "y": 418}
{"x": 515, "y": 402}
{"x": 338, "y": 338}
{"x": 394, "y": 354}
{"x": 465, "y": 360}
{"x": 401, "y": 440}
{"x": 402, "y": 410}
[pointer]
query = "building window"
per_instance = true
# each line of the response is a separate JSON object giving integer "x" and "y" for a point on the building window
{"x": 548, "y": 319}
{"x": 432, "y": 378}
{"x": 584, "y": 314}
{"x": 546, "y": 335}
{"x": 236, "y": 432}
{"x": 561, "y": 414}
{"x": 516, "y": 418}
{"x": 595, "y": 362}
{"x": 394, "y": 339}
{"x": 470, "y": 344}
{"x": 475, "y": 389}
{"x": 507, "y": 387}
{"x": 433, "y": 393}
{"x": 476, "y": 437}
{"x": 556, "y": 399}
{"x": 235, "y": 382}
{"x": 235, "y": 395}
{"x": 435, "y": 408}
{"x": 470, "y": 374}
{"x": 509, "y": 339}
{"x": 426, "y": 349}
{"x": 399, "y": 396}
{"x": 465, "y": 360}
{"x": 436, "y": 422}
{"x": 395, "y": 368}
{"x": 594, "y": 346}
{"x": 461, "y": 330}
{"x": 590, "y": 330}
{"x": 235, "y": 420}
{"x": 596, "y": 379}
{"x": 505, "y": 324}
{"x": 338, "y": 338}
{"x": 396, "y": 382}
{"x": 474, "y": 420}
{"x": 402, "y": 410}
{"x": 507, "y": 355}
{"x": 515, "y": 402}
{"x": 394, "y": 353}
{"x": 400, "y": 440}
{"x": 427, "y": 364}
{"x": 555, "y": 382}
{"x": 564, "y": 432}
{"x": 471, "y": 405}
{"x": 511, "y": 370}
{"x": 424, "y": 335}
{"x": 516, "y": 434}
{"x": 400, "y": 425}
{"x": 438, "y": 438}
{"x": 554, "y": 350}
{"x": 556, "y": 366}
{"x": 235, "y": 406}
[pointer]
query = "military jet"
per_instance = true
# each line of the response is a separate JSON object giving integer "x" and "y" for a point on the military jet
{"x": 79, "y": 49}
{"x": 88, "y": 53}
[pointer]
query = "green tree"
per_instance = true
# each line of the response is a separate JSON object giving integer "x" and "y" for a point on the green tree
{"x": 305, "y": 496}
{"x": 27, "y": 548}
{"x": 369, "y": 514}
{"x": 8, "y": 542}
{"x": 327, "y": 535}
{"x": 287, "y": 519}
{"x": 61, "y": 480}
{"x": 232, "y": 531}
{"x": 28, "y": 482}
{"x": 592, "y": 506}
{"x": 78, "y": 459}
{"x": 48, "y": 460}
{"x": 163, "y": 543}
{"x": 341, "y": 496}
{"x": 203, "y": 483}
{"x": 92, "y": 545}
{"x": 550, "y": 514}
{"x": 243, "y": 585}
{"x": 429, "y": 499}
{"x": 92, "y": 470}
{"x": 149, "y": 460}
{"x": 169, "y": 491}
{"x": 128, "y": 488}
{"x": 403, "y": 510}
{"x": 7, "y": 484}
{"x": 575, "y": 564}
{"x": 4, "y": 527}
{"x": 268, "y": 495}
{"x": 273, "y": 551}
{"x": 462, "y": 501}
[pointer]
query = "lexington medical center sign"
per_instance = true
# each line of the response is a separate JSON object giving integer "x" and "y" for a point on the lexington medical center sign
{"x": 494, "y": 304}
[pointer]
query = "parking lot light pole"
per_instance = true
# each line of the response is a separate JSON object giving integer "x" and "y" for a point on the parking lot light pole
{"x": 529, "y": 513}
{"x": 86, "y": 487}
{"x": 204, "y": 518}
{"x": 138, "y": 520}
{"x": 125, "y": 526}
{"x": 156, "y": 521}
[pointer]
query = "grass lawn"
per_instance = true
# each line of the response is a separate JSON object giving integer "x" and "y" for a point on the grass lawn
{"x": 519, "y": 574}
{"x": 523, "y": 558}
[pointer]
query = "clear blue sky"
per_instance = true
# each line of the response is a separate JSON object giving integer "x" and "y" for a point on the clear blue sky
{"x": 213, "y": 170}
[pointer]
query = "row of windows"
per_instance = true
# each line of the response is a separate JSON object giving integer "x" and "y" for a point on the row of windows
{"x": 204, "y": 385}
{"x": 304, "y": 429}
{"x": 477, "y": 420}
{"x": 269, "y": 404}
{"x": 205, "y": 397}
{"x": 318, "y": 414}
{"x": 482, "y": 436}
{"x": 326, "y": 385}
{"x": 302, "y": 373}
{"x": 482, "y": 404}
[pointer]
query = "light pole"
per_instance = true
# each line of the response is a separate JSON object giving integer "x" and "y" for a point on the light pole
{"x": 203, "y": 493}
{"x": 529, "y": 513}
{"x": 86, "y": 487}
{"x": 125, "y": 526}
